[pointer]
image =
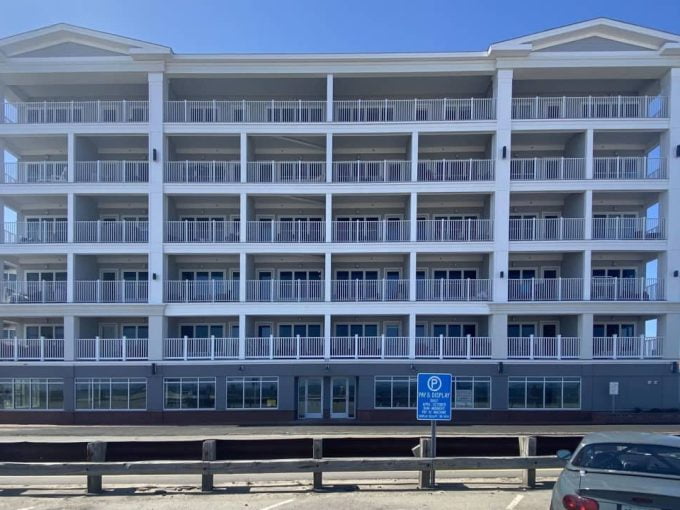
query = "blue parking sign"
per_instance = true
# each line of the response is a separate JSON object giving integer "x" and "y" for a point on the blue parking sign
{"x": 434, "y": 397}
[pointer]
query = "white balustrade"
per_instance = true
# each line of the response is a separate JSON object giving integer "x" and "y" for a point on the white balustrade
{"x": 275, "y": 348}
{"x": 213, "y": 172}
{"x": 455, "y": 230}
{"x": 590, "y": 107}
{"x": 628, "y": 347}
{"x": 624, "y": 229}
{"x": 112, "y": 349}
{"x": 544, "y": 347}
{"x": 545, "y": 289}
{"x": 35, "y": 232}
{"x": 547, "y": 229}
{"x": 212, "y": 348}
{"x": 208, "y": 231}
{"x": 620, "y": 168}
{"x": 447, "y": 347}
{"x": 627, "y": 289}
{"x": 35, "y": 172}
{"x": 78, "y": 112}
{"x": 371, "y": 171}
{"x": 547, "y": 169}
{"x": 104, "y": 231}
{"x": 115, "y": 291}
{"x": 455, "y": 170}
{"x": 18, "y": 292}
{"x": 369, "y": 347}
{"x": 285, "y": 290}
{"x": 369, "y": 231}
{"x": 287, "y": 171}
{"x": 239, "y": 111}
{"x": 201, "y": 291}
{"x": 112, "y": 171}
{"x": 286, "y": 231}
{"x": 414, "y": 110}
{"x": 442, "y": 289}
{"x": 370, "y": 290}
{"x": 32, "y": 349}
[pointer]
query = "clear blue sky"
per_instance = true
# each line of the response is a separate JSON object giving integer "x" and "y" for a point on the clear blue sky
{"x": 226, "y": 26}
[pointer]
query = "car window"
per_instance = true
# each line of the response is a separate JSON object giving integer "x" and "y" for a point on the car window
{"x": 640, "y": 458}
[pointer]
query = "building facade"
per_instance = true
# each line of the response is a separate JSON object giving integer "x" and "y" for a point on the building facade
{"x": 278, "y": 238}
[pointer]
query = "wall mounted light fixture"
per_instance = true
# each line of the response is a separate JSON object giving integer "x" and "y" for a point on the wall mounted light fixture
{"x": 154, "y": 154}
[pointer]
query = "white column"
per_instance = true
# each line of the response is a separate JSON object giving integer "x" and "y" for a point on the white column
{"x": 71, "y": 156}
{"x": 498, "y": 331}
{"x": 329, "y": 98}
{"x": 412, "y": 266}
{"x": 71, "y": 333}
{"x": 586, "y": 334}
{"x": 157, "y": 91}
{"x": 414, "y": 156}
{"x": 329, "y": 218}
{"x": 668, "y": 326}
{"x": 328, "y": 276}
{"x": 243, "y": 151}
{"x": 70, "y": 277}
{"x": 157, "y": 334}
{"x": 243, "y": 272}
{"x": 411, "y": 335}
{"x": 588, "y": 214}
{"x": 2, "y": 102}
{"x": 413, "y": 217}
{"x": 243, "y": 214}
{"x": 241, "y": 336}
{"x": 2, "y": 147}
{"x": 70, "y": 216}
{"x": 329, "y": 157}
{"x": 587, "y": 271}
{"x": 588, "y": 155}
{"x": 327, "y": 332}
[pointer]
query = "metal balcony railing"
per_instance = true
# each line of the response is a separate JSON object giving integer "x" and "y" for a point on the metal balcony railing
{"x": 547, "y": 169}
{"x": 116, "y": 291}
{"x": 628, "y": 347}
{"x": 454, "y": 290}
{"x": 202, "y": 231}
{"x": 78, "y": 112}
{"x": 193, "y": 172}
{"x": 370, "y": 290}
{"x": 201, "y": 291}
{"x": 245, "y": 111}
{"x": 19, "y": 292}
{"x": 285, "y": 290}
{"x": 590, "y": 107}
{"x": 112, "y": 171}
{"x": 35, "y": 172}
{"x": 414, "y": 110}
{"x": 544, "y": 347}
{"x": 547, "y": 229}
{"x": 212, "y": 348}
{"x": 627, "y": 289}
{"x": 456, "y": 170}
{"x": 624, "y": 229}
{"x": 545, "y": 289}
{"x": 286, "y": 231}
{"x": 275, "y": 347}
{"x": 32, "y": 349}
{"x": 629, "y": 168}
{"x": 455, "y": 230}
{"x": 371, "y": 171}
{"x": 287, "y": 172}
{"x": 450, "y": 347}
{"x": 369, "y": 347}
{"x": 104, "y": 231}
{"x": 112, "y": 349}
{"x": 369, "y": 231}
{"x": 35, "y": 232}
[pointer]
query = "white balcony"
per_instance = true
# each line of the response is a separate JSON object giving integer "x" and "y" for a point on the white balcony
{"x": 545, "y": 289}
{"x": 245, "y": 111}
{"x": 19, "y": 292}
{"x": 287, "y": 172}
{"x": 32, "y": 349}
{"x": 76, "y": 112}
{"x": 285, "y": 231}
{"x": 35, "y": 172}
{"x": 105, "y": 231}
{"x": 629, "y": 168}
{"x": 213, "y": 348}
{"x": 547, "y": 169}
{"x": 627, "y": 229}
{"x": 448, "y": 347}
{"x": 35, "y": 232}
{"x": 369, "y": 347}
{"x": 279, "y": 348}
{"x": 455, "y": 230}
{"x": 112, "y": 171}
{"x": 370, "y": 290}
{"x": 544, "y": 347}
{"x": 112, "y": 349}
{"x": 627, "y": 289}
{"x": 456, "y": 170}
{"x": 284, "y": 290}
{"x": 628, "y": 347}
{"x": 454, "y": 290}
{"x": 212, "y": 172}
{"x": 369, "y": 231}
{"x": 590, "y": 107}
{"x": 371, "y": 171}
{"x": 201, "y": 291}
{"x": 414, "y": 110}
{"x": 115, "y": 291}
{"x": 202, "y": 231}
{"x": 547, "y": 229}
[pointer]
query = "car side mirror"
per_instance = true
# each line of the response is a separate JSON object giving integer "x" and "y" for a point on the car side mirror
{"x": 563, "y": 454}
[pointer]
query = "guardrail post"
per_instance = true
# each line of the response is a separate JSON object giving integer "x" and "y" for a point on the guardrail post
{"x": 208, "y": 453}
{"x": 425, "y": 478}
{"x": 317, "y": 453}
{"x": 96, "y": 452}
{"x": 527, "y": 448}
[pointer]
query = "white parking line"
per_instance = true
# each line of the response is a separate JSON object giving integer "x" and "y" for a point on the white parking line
{"x": 276, "y": 505}
{"x": 514, "y": 502}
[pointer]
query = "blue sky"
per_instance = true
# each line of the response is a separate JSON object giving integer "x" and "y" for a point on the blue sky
{"x": 225, "y": 26}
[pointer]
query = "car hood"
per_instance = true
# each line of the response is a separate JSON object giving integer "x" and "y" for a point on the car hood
{"x": 632, "y": 489}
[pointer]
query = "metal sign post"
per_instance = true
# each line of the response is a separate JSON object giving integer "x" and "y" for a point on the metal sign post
{"x": 434, "y": 404}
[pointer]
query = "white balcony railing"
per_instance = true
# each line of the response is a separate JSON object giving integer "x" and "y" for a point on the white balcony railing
{"x": 116, "y": 291}
{"x": 453, "y": 290}
{"x": 547, "y": 229}
{"x": 202, "y": 231}
{"x": 32, "y": 292}
{"x": 112, "y": 349}
{"x": 456, "y": 170}
{"x": 207, "y": 291}
{"x": 547, "y": 169}
{"x": 627, "y": 289}
{"x": 369, "y": 347}
{"x": 372, "y": 171}
{"x": 112, "y": 171}
{"x": 32, "y": 349}
{"x": 35, "y": 232}
{"x": 35, "y": 172}
{"x": 285, "y": 290}
{"x": 450, "y": 347}
{"x": 590, "y": 107}
{"x": 286, "y": 231}
{"x": 628, "y": 347}
{"x": 293, "y": 347}
{"x": 545, "y": 289}
{"x": 245, "y": 111}
{"x": 61, "y": 112}
{"x": 624, "y": 229}
{"x": 370, "y": 290}
{"x": 544, "y": 347}
{"x": 213, "y": 172}
{"x": 213, "y": 348}
{"x": 290, "y": 172}
{"x": 369, "y": 231}
{"x": 414, "y": 110}
{"x": 455, "y": 230}
{"x": 630, "y": 168}
{"x": 103, "y": 231}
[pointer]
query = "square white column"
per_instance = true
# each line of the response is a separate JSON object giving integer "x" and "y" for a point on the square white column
{"x": 71, "y": 334}
{"x": 327, "y": 333}
{"x": 586, "y": 334}
{"x": 588, "y": 153}
{"x": 241, "y": 336}
{"x": 243, "y": 215}
{"x": 329, "y": 157}
{"x": 329, "y": 218}
{"x": 70, "y": 277}
{"x": 327, "y": 276}
{"x": 412, "y": 335}
{"x": 413, "y": 217}
{"x": 243, "y": 277}
{"x": 498, "y": 332}
{"x": 71, "y": 157}
{"x": 157, "y": 335}
{"x": 587, "y": 271}
{"x": 412, "y": 266}
{"x": 414, "y": 156}
{"x": 243, "y": 153}
{"x": 71, "y": 217}
{"x": 329, "y": 98}
{"x": 588, "y": 214}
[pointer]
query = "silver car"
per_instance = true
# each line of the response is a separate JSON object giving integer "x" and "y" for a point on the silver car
{"x": 620, "y": 471}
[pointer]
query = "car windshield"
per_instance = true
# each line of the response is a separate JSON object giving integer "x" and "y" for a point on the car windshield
{"x": 640, "y": 458}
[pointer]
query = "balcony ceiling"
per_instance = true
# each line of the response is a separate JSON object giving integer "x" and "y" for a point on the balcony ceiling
{"x": 36, "y": 145}
{"x": 410, "y": 86}
{"x": 247, "y": 87}
{"x": 547, "y": 82}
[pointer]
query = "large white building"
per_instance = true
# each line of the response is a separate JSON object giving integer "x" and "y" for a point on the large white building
{"x": 271, "y": 238}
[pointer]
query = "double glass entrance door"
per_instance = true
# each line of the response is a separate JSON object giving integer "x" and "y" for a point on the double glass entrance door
{"x": 311, "y": 397}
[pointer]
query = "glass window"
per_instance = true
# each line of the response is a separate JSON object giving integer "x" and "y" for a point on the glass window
{"x": 189, "y": 392}
{"x": 544, "y": 393}
{"x": 472, "y": 392}
{"x": 29, "y": 394}
{"x": 395, "y": 392}
{"x": 110, "y": 394}
{"x": 252, "y": 392}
